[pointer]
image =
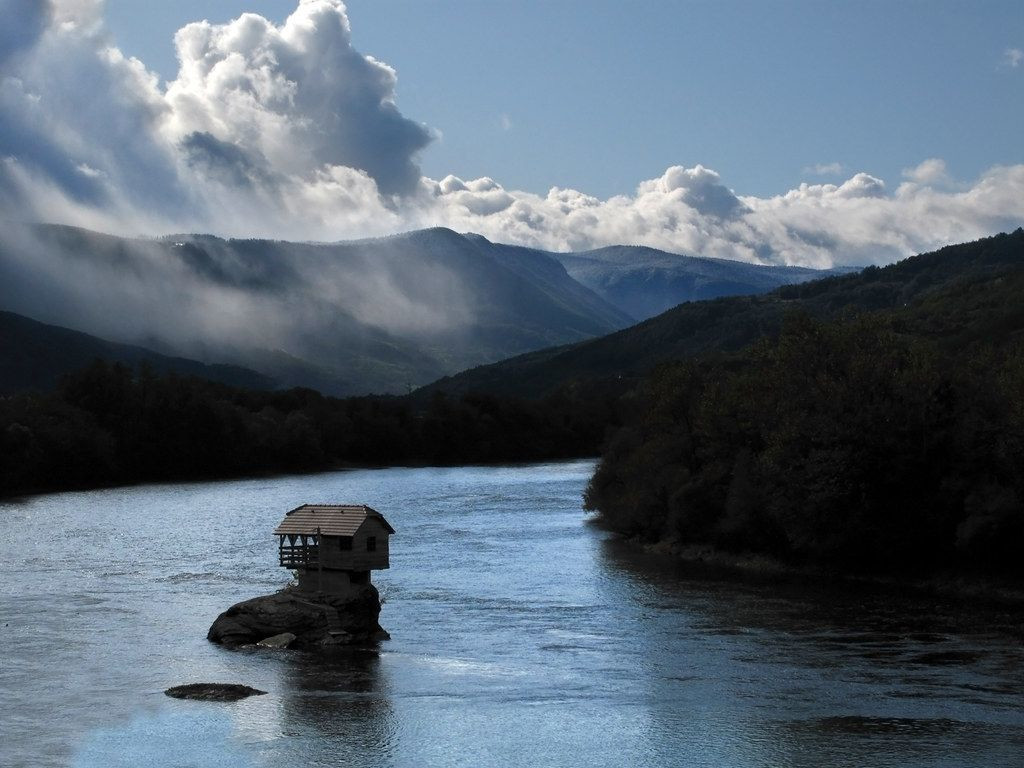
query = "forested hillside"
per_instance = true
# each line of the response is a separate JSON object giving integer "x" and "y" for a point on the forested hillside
{"x": 35, "y": 355}
{"x": 885, "y": 440}
{"x": 110, "y": 424}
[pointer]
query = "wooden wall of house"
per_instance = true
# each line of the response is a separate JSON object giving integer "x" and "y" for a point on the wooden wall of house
{"x": 338, "y": 583}
{"x": 358, "y": 559}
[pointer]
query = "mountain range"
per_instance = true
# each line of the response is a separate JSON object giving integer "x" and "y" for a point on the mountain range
{"x": 35, "y": 355}
{"x": 984, "y": 272}
{"x": 383, "y": 315}
{"x": 644, "y": 282}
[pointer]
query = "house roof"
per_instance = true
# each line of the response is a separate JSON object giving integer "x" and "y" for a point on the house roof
{"x": 331, "y": 519}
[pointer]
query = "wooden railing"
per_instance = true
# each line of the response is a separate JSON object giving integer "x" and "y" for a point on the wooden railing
{"x": 300, "y": 555}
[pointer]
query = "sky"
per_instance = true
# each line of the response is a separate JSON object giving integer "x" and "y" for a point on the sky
{"x": 596, "y": 95}
{"x": 776, "y": 132}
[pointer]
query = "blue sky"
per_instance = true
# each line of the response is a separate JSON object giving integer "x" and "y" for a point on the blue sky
{"x": 598, "y": 95}
{"x": 772, "y": 132}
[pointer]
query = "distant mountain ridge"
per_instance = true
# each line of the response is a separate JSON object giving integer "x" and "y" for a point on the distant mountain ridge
{"x": 370, "y": 316}
{"x": 347, "y": 318}
{"x": 725, "y": 325}
{"x": 645, "y": 282}
{"x": 35, "y": 355}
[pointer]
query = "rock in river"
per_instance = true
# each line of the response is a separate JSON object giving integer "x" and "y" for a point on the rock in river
{"x": 213, "y": 691}
{"x": 284, "y": 640}
{"x": 315, "y": 619}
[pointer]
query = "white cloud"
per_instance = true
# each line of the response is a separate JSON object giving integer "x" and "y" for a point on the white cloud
{"x": 286, "y": 131}
{"x": 1013, "y": 57}
{"x": 931, "y": 172}
{"x": 825, "y": 169}
{"x": 80, "y": 14}
{"x": 260, "y": 121}
{"x": 294, "y": 99}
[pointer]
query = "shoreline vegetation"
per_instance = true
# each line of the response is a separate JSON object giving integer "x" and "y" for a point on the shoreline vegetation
{"x": 111, "y": 425}
{"x": 877, "y": 443}
{"x": 874, "y": 427}
{"x": 847, "y": 445}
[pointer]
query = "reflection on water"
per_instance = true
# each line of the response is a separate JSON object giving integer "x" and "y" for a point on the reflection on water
{"x": 340, "y": 701}
{"x": 827, "y": 675}
{"x": 520, "y": 637}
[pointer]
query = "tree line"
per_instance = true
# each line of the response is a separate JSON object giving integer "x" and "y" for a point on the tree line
{"x": 112, "y": 424}
{"x": 851, "y": 444}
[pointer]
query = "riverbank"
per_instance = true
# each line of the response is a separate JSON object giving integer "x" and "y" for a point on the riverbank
{"x": 708, "y": 560}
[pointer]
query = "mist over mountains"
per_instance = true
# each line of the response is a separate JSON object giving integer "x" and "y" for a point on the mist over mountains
{"x": 35, "y": 356}
{"x": 383, "y": 315}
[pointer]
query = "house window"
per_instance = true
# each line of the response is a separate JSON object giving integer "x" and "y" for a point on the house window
{"x": 371, "y": 543}
{"x": 345, "y": 543}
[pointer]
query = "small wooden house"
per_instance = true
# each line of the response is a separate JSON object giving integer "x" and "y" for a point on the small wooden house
{"x": 333, "y": 547}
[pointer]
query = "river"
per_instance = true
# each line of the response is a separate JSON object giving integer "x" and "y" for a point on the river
{"x": 521, "y": 636}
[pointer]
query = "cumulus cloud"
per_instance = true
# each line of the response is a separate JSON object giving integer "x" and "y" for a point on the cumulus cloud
{"x": 856, "y": 222}
{"x": 261, "y": 123}
{"x": 79, "y": 124}
{"x": 299, "y": 96}
{"x": 288, "y": 131}
{"x": 931, "y": 172}
{"x": 1013, "y": 57}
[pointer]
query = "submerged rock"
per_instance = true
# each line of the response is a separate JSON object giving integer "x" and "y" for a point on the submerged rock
{"x": 315, "y": 619}
{"x": 283, "y": 640}
{"x": 213, "y": 691}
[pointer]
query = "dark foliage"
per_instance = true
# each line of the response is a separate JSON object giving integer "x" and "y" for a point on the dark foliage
{"x": 110, "y": 424}
{"x": 863, "y": 444}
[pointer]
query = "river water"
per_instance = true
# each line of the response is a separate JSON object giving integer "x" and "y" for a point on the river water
{"x": 521, "y": 636}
